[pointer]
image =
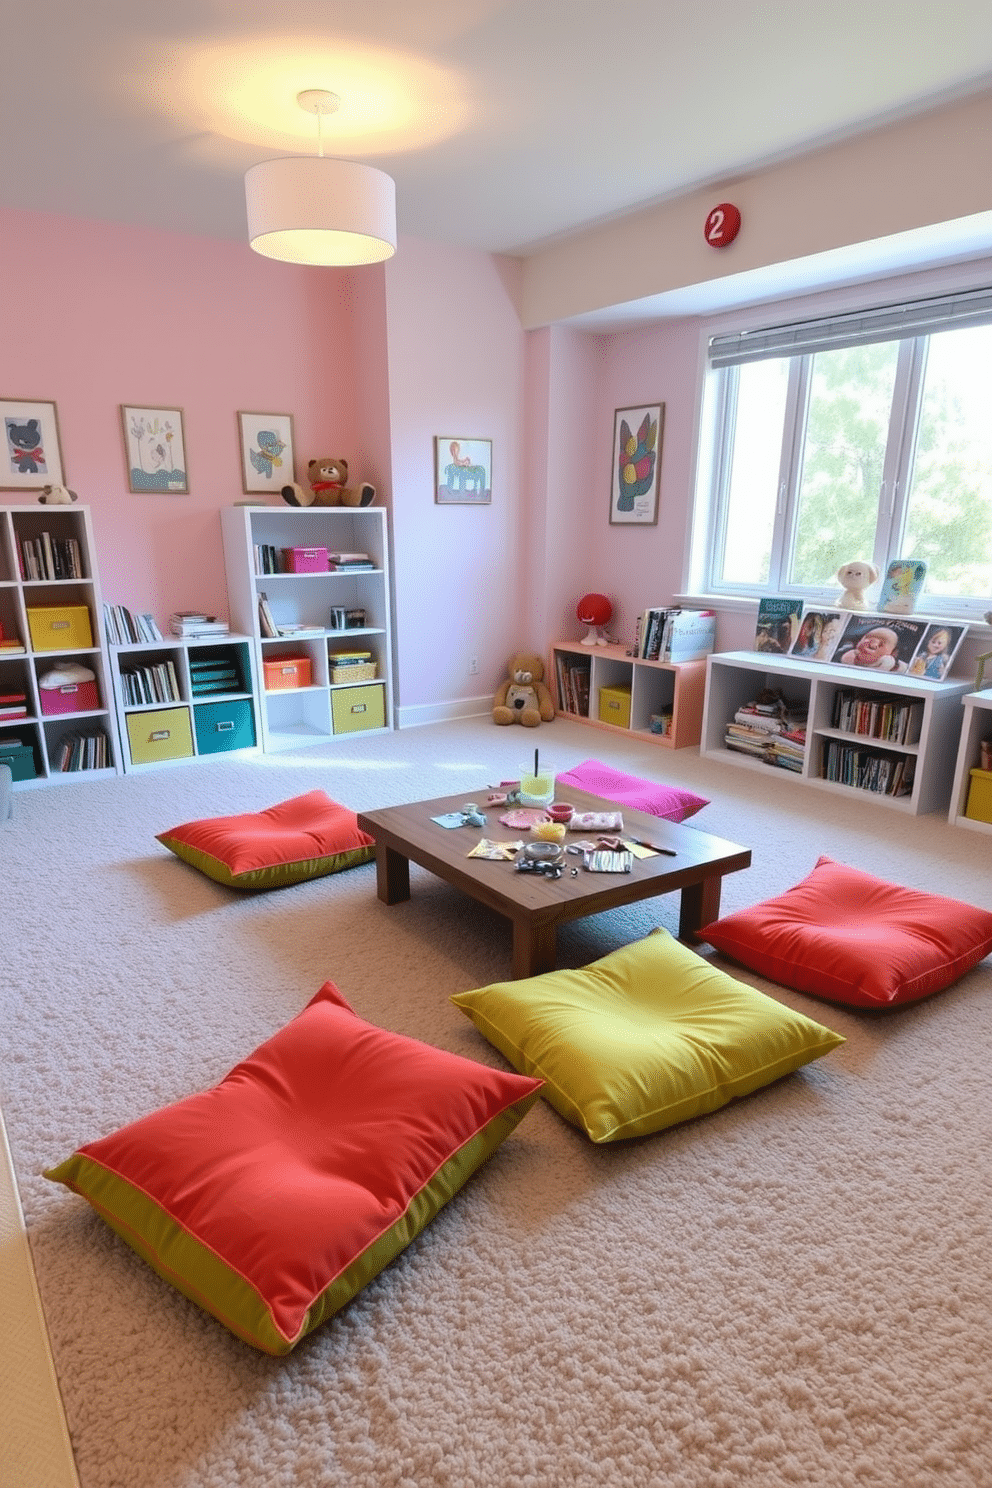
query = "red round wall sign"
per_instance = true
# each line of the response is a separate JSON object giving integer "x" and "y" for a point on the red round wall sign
{"x": 722, "y": 225}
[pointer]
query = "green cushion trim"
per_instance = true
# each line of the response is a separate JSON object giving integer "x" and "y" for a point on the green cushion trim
{"x": 279, "y": 875}
{"x": 209, "y": 1281}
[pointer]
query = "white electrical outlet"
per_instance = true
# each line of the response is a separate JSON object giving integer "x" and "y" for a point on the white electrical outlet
{"x": 473, "y": 666}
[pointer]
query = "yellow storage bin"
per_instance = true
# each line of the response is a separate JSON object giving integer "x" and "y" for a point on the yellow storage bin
{"x": 59, "y": 627}
{"x": 979, "y": 806}
{"x": 161, "y": 734}
{"x": 614, "y": 706}
{"x": 356, "y": 708}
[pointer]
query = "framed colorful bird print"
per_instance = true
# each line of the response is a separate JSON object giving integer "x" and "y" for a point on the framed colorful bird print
{"x": 266, "y": 451}
{"x": 637, "y": 434}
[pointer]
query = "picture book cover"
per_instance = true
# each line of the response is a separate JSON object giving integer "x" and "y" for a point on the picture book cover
{"x": 936, "y": 651}
{"x": 902, "y": 585}
{"x": 880, "y": 643}
{"x": 778, "y": 624}
{"x": 819, "y": 632}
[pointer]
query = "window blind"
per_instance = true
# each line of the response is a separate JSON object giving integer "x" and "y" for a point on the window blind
{"x": 857, "y": 328}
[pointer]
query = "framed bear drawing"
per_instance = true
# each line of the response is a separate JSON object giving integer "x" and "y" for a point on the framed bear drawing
{"x": 32, "y": 457}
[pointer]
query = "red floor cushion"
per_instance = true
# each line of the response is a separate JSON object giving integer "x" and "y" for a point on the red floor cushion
{"x": 849, "y": 937}
{"x": 275, "y": 1196}
{"x": 299, "y": 839}
{"x": 670, "y": 802}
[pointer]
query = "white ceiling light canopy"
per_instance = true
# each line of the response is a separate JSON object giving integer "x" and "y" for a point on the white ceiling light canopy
{"x": 312, "y": 209}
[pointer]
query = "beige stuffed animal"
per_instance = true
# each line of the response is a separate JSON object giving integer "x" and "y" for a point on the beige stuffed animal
{"x": 328, "y": 479}
{"x": 522, "y": 697}
{"x": 855, "y": 578}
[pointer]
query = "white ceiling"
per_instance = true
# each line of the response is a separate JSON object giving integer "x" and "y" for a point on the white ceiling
{"x": 505, "y": 125}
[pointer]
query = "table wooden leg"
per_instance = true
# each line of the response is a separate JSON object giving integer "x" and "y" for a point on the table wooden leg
{"x": 392, "y": 875}
{"x": 534, "y": 950}
{"x": 700, "y": 906}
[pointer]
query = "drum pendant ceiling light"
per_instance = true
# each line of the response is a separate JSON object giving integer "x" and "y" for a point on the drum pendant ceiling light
{"x": 311, "y": 209}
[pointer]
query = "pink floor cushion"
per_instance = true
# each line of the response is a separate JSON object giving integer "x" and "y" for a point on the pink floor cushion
{"x": 272, "y": 1198}
{"x": 670, "y": 802}
{"x": 303, "y": 838}
{"x": 852, "y": 938}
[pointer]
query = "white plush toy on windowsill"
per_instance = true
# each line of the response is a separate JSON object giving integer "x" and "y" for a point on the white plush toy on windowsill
{"x": 855, "y": 578}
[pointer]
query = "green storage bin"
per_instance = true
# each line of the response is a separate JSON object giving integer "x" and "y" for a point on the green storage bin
{"x": 20, "y": 758}
{"x": 221, "y": 726}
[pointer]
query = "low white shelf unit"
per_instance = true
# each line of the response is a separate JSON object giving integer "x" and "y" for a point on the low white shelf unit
{"x": 734, "y": 678}
{"x": 976, "y": 726}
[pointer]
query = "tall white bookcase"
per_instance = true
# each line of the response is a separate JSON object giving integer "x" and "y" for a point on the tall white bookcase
{"x": 57, "y": 622}
{"x": 324, "y": 708}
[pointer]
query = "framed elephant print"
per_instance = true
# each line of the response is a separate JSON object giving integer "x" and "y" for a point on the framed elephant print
{"x": 463, "y": 470}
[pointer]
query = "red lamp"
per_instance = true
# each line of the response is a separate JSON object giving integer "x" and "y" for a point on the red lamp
{"x": 595, "y": 611}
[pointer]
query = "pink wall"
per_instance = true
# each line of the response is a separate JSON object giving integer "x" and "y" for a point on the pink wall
{"x": 456, "y": 366}
{"x": 105, "y": 315}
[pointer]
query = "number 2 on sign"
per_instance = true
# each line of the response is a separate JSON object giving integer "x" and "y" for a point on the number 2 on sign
{"x": 722, "y": 225}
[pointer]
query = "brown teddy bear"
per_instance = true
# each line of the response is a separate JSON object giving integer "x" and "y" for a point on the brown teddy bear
{"x": 522, "y": 697}
{"x": 328, "y": 479}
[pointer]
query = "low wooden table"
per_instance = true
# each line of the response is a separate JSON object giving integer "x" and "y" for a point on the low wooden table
{"x": 537, "y": 905}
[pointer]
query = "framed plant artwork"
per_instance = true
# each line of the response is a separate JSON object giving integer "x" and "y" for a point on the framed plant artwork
{"x": 637, "y": 434}
{"x": 155, "y": 449}
{"x": 32, "y": 457}
{"x": 266, "y": 451}
{"x": 463, "y": 470}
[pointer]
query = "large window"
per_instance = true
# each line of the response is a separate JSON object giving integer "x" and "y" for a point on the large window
{"x": 865, "y": 436}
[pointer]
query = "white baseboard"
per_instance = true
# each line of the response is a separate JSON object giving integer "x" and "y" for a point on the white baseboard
{"x": 443, "y": 712}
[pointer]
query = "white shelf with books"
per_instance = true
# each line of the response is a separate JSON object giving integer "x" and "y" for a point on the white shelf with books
{"x": 311, "y": 586}
{"x": 971, "y": 791}
{"x": 666, "y": 697}
{"x": 57, "y": 719}
{"x": 183, "y": 698}
{"x": 889, "y": 737}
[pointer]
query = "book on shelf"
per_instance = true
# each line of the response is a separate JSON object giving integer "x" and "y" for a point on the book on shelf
{"x": 349, "y": 558}
{"x": 777, "y": 625}
{"x": 879, "y": 643}
{"x": 83, "y": 751}
{"x": 868, "y": 769}
{"x": 302, "y": 632}
{"x": 689, "y": 635}
{"x": 818, "y": 634}
{"x": 266, "y": 622}
{"x": 902, "y": 586}
{"x": 48, "y": 557}
{"x": 192, "y": 624}
{"x": 125, "y": 627}
{"x": 875, "y": 715}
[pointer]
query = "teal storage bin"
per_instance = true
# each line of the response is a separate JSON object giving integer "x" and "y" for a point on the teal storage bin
{"x": 20, "y": 758}
{"x": 221, "y": 726}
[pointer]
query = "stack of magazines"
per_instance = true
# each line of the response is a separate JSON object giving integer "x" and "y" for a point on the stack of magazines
{"x": 192, "y": 623}
{"x": 771, "y": 728}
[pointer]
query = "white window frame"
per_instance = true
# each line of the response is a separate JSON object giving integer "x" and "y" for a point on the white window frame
{"x": 941, "y": 308}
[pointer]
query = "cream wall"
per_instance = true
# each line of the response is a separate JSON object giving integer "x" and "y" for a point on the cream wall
{"x": 924, "y": 171}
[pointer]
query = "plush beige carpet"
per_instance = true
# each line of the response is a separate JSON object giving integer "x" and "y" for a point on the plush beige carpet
{"x": 795, "y": 1290}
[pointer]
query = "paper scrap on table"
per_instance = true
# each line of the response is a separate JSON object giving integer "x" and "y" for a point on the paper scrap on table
{"x": 499, "y": 851}
{"x": 638, "y": 849}
{"x": 450, "y": 819}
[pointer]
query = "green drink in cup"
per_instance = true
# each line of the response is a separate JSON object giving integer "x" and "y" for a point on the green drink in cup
{"x": 537, "y": 783}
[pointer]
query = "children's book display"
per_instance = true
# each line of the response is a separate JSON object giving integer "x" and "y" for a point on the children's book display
{"x": 888, "y": 642}
{"x": 675, "y": 634}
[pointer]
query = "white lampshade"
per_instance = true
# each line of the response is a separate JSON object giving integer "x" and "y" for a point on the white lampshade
{"x": 309, "y": 209}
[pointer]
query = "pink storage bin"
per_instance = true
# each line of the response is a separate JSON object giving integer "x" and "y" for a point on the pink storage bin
{"x": 307, "y": 560}
{"x": 71, "y": 697}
